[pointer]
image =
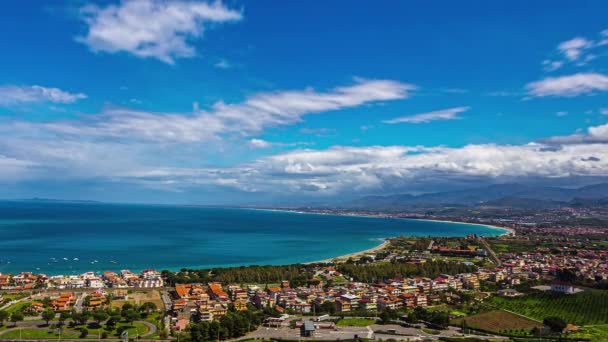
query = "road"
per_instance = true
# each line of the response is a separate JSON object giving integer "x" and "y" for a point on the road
{"x": 493, "y": 255}
{"x": 78, "y": 304}
{"x": 373, "y": 332}
{"x": 166, "y": 300}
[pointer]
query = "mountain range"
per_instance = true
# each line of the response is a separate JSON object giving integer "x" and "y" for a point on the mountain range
{"x": 500, "y": 195}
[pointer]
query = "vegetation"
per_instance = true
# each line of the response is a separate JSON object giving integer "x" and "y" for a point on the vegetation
{"x": 593, "y": 333}
{"x": 438, "y": 319}
{"x": 296, "y": 274}
{"x": 382, "y": 271}
{"x": 234, "y": 324}
{"x": 4, "y": 315}
{"x": 355, "y": 322}
{"x": 498, "y": 322}
{"x": 585, "y": 308}
{"x": 556, "y": 324}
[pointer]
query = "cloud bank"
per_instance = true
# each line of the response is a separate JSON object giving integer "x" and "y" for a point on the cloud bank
{"x": 12, "y": 94}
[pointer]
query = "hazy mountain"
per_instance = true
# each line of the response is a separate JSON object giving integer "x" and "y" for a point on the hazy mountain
{"x": 515, "y": 195}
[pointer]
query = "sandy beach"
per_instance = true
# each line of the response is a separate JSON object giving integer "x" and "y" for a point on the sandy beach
{"x": 385, "y": 243}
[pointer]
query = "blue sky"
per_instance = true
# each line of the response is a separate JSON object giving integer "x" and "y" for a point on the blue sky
{"x": 287, "y": 102}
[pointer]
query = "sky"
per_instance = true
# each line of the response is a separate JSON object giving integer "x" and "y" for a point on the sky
{"x": 285, "y": 102}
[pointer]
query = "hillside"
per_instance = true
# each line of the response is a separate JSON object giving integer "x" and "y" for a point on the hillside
{"x": 500, "y": 195}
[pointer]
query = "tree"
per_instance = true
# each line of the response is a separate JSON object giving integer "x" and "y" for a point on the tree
{"x": 111, "y": 322}
{"x": 81, "y": 318}
{"x": 16, "y": 317}
{"x": 130, "y": 316}
{"x": 48, "y": 315}
{"x": 387, "y": 315}
{"x": 84, "y": 332}
{"x": 63, "y": 317}
{"x": 99, "y": 316}
{"x": 556, "y": 324}
{"x": 3, "y": 316}
{"x": 148, "y": 307}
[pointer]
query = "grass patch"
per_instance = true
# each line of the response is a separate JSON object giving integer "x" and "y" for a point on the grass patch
{"x": 18, "y": 306}
{"x": 355, "y": 322}
{"x": 39, "y": 334}
{"x": 431, "y": 331}
{"x": 593, "y": 333}
{"x": 498, "y": 322}
{"x": 585, "y": 308}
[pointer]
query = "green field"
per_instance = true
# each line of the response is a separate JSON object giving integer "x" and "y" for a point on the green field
{"x": 49, "y": 333}
{"x": 585, "y": 308}
{"x": 594, "y": 333}
{"x": 18, "y": 306}
{"x": 355, "y": 322}
{"x": 499, "y": 322}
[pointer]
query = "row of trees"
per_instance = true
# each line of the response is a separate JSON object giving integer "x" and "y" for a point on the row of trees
{"x": 296, "y": 274}
{"x": 128, "y": 313}
{"x": 439, "y": 319}
{"x": 383, "y": 271}
{"x": 14, "y": 317}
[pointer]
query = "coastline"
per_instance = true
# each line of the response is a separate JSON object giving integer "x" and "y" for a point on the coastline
{"x": 508, "y": 231}
{"x": 385, "y": 243}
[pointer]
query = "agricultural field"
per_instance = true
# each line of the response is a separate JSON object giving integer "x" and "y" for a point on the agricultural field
{"x": 499, "y": 322}
{"x": 502, "y": 245}
{"x": 585, "y": 308}
{"x": 355, "y": 322}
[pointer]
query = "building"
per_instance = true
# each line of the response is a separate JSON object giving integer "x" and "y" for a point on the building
{"x": 307, "y": 329}
{"x": 563, "y": 288}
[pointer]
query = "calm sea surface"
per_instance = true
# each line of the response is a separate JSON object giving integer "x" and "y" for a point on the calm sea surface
{"x": 66, "y": 238}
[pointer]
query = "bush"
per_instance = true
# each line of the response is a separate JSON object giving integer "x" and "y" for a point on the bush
{"x": 84, "y": 332}
{"x": 104, "y": 335}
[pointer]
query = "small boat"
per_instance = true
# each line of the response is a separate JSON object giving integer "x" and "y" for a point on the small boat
{"x": 66, "y": 259}
{"x": 76, "y": 259}
{"x": 112, "y": 261}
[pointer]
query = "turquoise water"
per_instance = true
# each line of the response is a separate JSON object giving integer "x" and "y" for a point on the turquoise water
{"x": 40, "y": 236}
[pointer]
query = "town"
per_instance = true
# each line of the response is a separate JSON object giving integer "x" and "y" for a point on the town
{"x": 411, "y": 289}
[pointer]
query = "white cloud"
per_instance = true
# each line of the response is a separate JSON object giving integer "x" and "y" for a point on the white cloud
{"x": 259, "y": 143}
{"x": 11, "y": 94}
{"x": 569, "y": 86}
{"x": 551, "y": 65}
{"x": 162, "y": 29}
{"x": 574, "y": 48}
{"x": 319, "y": 132}
{"x": 223, "y": 64}
{"x": 594, "y": 134}
{"x": 336, "y": 170}
{"x": 561, "y": 113}
{"x": 444, "y": 114}
{"x": 255, "y": 114}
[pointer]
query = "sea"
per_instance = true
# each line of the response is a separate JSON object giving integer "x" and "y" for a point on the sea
{"x": 72, "y": 238}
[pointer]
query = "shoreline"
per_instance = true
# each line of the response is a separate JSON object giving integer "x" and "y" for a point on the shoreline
{"x": 385, "y": 243}
{"x": 508, "y": 231}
